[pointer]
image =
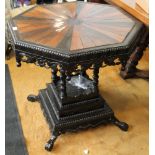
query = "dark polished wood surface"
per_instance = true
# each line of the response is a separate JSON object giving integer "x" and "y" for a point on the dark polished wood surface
{"x": 73, "y": 26}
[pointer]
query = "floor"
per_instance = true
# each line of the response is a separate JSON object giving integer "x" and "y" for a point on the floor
{"x": 128, "y": 99}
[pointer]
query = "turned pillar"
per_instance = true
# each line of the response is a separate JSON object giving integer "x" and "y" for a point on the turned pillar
{"x": 54, "y": 73}
{"x": 96, "y": 76}
{"x": 62, "y": 83}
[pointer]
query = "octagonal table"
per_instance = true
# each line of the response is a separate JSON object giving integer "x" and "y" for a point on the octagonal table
{"x": 71, "y": 38}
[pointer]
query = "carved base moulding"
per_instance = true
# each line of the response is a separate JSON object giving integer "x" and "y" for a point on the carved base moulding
{"x": 75, "y": 114}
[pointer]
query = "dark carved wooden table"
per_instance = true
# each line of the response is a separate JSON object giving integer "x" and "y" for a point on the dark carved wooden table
{"x": 71, "y": 38}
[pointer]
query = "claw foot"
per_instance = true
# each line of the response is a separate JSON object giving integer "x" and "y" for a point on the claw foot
{"x": 49, "y": 146}
{"x": 18, "y": 64}
{"x": 32, "y": 98}
{"x": 50, "y": 143}
{"x": 122, "y": 125}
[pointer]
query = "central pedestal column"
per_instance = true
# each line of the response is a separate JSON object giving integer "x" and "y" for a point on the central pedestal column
{"x": 72, "y": 102}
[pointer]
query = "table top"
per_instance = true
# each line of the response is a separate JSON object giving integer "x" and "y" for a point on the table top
{"x": 74, "y": 27}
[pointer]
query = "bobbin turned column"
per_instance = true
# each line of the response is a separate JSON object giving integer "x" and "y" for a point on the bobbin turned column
{"x": 96, "y": 68}
{"x": 62, "y": 83}
{"x": 54, "y": 73}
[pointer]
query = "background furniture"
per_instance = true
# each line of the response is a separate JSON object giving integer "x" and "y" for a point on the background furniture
{"x": 8, "y": 5}
{"x": 144, "y": 4}
{"x": 45, "y": 1}
{"x": 133, "y": 8}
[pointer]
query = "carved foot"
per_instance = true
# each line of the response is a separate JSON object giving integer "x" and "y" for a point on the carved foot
{"x": 122, "y": 125}
{"x": 50, "y": 143}
{"x": 18, "y": 64}
{"x": 32, "y": 98}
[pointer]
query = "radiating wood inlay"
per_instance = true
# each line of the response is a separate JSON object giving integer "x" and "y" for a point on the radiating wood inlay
{"x": 73, "y": 26}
